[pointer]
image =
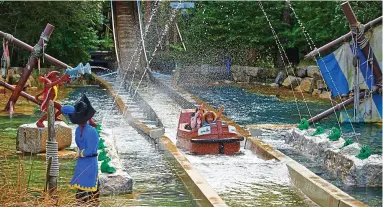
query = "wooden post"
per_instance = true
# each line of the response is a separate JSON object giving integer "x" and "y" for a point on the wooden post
{"x": 29, "y": 48}
{"x": 367, "y": 51}
{"x": 51, "y": 152}
{"x": 343, "y": 38}
{"x": 38, "y": 49}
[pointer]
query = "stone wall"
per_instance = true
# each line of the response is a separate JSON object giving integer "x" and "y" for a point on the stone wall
{"x": 307, "y": 79}
{"x": 251, "y": 74}
{"x": 207, "y": 74}
{"x": 201, "y": 75}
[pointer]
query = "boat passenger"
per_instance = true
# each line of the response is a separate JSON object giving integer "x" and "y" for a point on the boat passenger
{"x": 197, "y": 119}
{"x": 210, "y": 117}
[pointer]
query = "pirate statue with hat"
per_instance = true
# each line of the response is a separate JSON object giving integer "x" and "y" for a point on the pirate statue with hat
{"x": 85, "y": 178}
{"x": 50, "y": 80}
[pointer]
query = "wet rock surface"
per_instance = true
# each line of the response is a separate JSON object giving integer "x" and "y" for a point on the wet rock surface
{"x": 341, "y": 162}
{"x": 291, "y": 81}
{"x": 120, "y": 181}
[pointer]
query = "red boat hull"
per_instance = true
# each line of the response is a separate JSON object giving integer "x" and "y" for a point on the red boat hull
{"x": 217, "y": 138}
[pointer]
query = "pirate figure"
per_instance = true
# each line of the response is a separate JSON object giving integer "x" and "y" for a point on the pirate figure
{"x": 50, "y": 92}
{"x": 85, "y": 178}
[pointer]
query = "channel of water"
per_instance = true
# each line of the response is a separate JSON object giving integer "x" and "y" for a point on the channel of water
{"x": 154, "y": 182}
{"x": 247, "y": 109}
{"x": 241, "y": 180}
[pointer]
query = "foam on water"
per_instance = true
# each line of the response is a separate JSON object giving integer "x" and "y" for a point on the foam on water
{"x": 241, "y": 180}
{"x": 154, "y": 183}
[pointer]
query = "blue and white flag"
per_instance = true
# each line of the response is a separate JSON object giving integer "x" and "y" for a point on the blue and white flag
{"x": 338, "y": 71}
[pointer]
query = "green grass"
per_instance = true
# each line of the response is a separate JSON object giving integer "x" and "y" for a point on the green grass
{"x": 23, "y": 176}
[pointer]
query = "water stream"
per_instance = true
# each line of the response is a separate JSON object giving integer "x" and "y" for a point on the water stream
{"x": 247, "y": 108}
{"x": 154, "y": 183}
{"x": 241, "y": 180}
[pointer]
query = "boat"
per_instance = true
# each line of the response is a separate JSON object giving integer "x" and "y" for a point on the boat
{"x": 217, "y": 138}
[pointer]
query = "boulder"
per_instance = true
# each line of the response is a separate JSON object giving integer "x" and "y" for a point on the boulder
{"x": 280, "y": 77}
{"x": 30, "y": 82}
{"x": 120, "y": 181}
{"x": 260, "y": 74}
{"x": 306, "y": 85}
{"x": 312, "y": 146}
{"x": 325, "y": 95}
{"x": 315, "y": 79}
{"x": 302, "y": 72}
{"x": 315, "y": 92}
{"x": 352, "y": 149}
{"x": 238, "y": 74}
{"x": 321, "y": 84}
{"x": 12, "y": 77}
{"x": 291, "y": 80}
{"x": 339, "y": 161}
{"x": 116, "y": 183}
{"x": 252, "y": 71}
{"x": 274, "y": 85}
{"x": 16, "y": 78}
{"x": 313, "y": 71}
{"x": 32, "y": 139}
{"x": 353, "y": 171}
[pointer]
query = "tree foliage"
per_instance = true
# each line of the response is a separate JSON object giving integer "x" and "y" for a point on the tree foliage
{"x": 240, "y": 29}
{"x": 75, "y": 32}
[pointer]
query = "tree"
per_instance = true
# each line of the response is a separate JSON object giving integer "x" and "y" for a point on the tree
{"x": 75, "y": 30}
{"x": 238, "y": 28}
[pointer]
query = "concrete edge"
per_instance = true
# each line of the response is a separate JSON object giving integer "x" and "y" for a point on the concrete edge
{"x": 203, "y": 193}
{"x": 316, "y": 188}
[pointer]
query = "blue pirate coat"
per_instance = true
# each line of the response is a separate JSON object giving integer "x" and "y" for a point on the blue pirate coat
{"x": 86, "y": 172}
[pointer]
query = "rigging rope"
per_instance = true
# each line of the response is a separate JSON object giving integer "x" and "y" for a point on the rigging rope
{"x": 142, "y": 36}
{"x": 166, "y": 29}
{"x": 115, "y": 38}
{"x": 312, "y": 46}
{"x": 284, "y": 56}
{"x": 107, "y": 112}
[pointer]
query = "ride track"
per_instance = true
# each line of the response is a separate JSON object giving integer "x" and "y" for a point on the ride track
{"x": 316, "y": 188}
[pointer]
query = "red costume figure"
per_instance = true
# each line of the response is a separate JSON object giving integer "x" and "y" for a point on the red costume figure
{"x": 50, "y": 80}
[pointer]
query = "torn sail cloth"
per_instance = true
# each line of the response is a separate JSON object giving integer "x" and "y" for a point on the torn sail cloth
{"x": 86, "y": 172}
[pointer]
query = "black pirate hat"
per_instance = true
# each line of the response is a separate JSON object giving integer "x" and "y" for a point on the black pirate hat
{"x": 83, "y": 111}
